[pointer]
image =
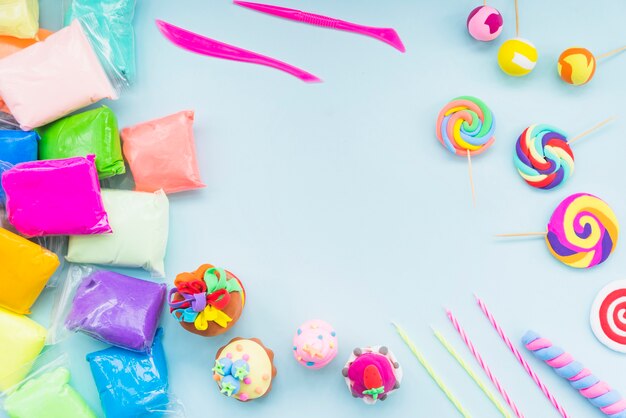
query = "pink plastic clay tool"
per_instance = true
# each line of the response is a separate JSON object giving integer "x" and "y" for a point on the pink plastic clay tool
{"x": 206, "y": 46}
{"x": 387, "y": 35}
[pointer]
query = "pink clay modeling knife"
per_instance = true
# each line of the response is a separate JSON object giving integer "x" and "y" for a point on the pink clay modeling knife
{"x": 387, "y": 35}
{"x": 206, "y": 46}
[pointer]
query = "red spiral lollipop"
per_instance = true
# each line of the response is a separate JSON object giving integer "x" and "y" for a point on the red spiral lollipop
{"x": 608, "y": 316}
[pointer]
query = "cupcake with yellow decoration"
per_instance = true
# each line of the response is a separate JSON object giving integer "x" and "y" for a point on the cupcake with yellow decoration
{"x": 244, "y": 369}
{"x": 208, "y": 301}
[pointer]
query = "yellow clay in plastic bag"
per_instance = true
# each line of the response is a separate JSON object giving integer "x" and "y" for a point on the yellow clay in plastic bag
{"x": 25, "y": 268}
{"x": 21, "y": 341}
{"x": 19, "y": 18}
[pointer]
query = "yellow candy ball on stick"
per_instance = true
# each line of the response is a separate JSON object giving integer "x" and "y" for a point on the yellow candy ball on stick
{"x": 517, "y": 57}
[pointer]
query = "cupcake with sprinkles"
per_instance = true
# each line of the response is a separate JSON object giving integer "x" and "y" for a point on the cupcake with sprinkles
{"x": 372, "y": 373}
{"x": 315, "y": 344}
{"x": 244, "y": 369}
{"x": 208, "y": 301}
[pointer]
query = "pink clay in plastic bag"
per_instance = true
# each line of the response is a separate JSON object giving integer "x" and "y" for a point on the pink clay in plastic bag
{"x": 55, "y": 197}
{"x": 53, "y": 78}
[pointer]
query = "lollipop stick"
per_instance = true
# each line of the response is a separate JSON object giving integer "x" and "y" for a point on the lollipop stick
{"x": 519, "y": 358}
{"x": 595, "y": 128}
{"x": 472, "y": 374}
{"x": 516, "y": 20}
{"x": 482, "y": 364}
{"x": 523, "y": 234}
{"x": 610, "y": 53}
{"x": 471, "y": 178}
{"x": 431, "y": 372}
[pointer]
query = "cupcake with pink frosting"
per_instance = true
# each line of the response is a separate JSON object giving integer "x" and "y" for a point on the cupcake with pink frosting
{"x": 315, "y": 344}
{"x": 372, "y": 373}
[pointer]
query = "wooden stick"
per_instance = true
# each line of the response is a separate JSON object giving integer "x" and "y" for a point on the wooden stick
{"x": 485, "y": 2}
{"x": 587, "y": 132}
{"x": 471, "y": 178}
{"x": 516, "y": 19}
{"x": 613, "y": 52}
{"x": 523, "y": 234}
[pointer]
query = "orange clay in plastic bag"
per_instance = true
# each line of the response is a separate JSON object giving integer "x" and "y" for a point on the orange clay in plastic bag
{"x": 25, "y": 267}
{"x": 9, "y": 44}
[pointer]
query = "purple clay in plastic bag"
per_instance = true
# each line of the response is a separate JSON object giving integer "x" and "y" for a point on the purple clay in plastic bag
{"x": 117, "y": 309}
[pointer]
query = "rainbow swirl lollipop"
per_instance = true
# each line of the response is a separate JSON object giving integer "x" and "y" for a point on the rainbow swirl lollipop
{"x": 543, "y": 157}
{"x": 466, "y": 124}
{"x": 582, "y": 231}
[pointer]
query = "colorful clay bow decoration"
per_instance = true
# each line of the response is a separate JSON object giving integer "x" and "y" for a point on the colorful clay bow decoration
{"x": 200, "y": 297}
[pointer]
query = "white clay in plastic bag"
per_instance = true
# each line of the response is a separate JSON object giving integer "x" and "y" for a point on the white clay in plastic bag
{"x": 140, "y": 223}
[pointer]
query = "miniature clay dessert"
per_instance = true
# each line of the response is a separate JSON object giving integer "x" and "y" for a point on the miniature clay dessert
{"x": 372, "y": 373}
{"x": 208, "y": 301}
{"x": 244, "y": 369}
{"x": 315, "y": 344}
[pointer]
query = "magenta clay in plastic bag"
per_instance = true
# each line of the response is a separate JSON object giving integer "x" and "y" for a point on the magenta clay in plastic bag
{"x": 55, "y": 197}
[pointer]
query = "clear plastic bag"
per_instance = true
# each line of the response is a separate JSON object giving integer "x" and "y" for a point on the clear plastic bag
{"x": 140, "y": 223}
{"x": 58, "y": 246}
{"x": 117, "y": 16}
{"x": 100, "y": 302}
{"x": 7, "y": 121}
{"x": 134, "y": 384}
{"x": 64, "y": 73}
{"x": 4, "y": 166}
{"x": 46, "y": 392}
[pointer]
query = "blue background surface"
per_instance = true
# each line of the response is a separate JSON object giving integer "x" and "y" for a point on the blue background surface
{"x": 336, "y": 200}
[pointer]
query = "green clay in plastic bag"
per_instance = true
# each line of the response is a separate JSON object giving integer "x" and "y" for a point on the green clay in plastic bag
{"x": 91, "y": 132}
{"x": 48, "y": 395}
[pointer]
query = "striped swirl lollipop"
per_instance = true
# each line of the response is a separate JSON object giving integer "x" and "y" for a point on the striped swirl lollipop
{"x": 543, "y": 157}
{"x": 582, "y": 231}
{"x": 466, "y": 126}
{"x": 609, "y": 401}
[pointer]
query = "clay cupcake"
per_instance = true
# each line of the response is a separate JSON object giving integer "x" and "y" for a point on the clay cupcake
{"x": 208, "y": 301}
{"x": 372, "y": 373}
{"x": 244, "y": 369}
{"x": 315, "y": 344}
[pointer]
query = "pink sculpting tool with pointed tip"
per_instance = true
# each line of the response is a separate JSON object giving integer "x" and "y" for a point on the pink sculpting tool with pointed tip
{"x": 206, "y": 46}
{"x": 387, "y": 35}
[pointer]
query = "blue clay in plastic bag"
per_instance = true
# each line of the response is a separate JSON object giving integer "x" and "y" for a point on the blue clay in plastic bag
{"x": 131, "y": 384}
{"x": 16, "y": 147}
{"x": 117, "y": 16}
